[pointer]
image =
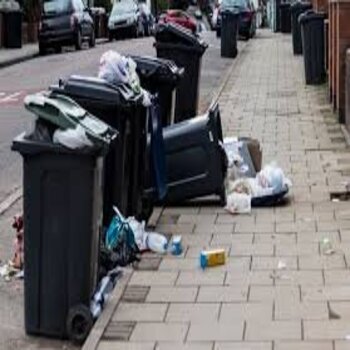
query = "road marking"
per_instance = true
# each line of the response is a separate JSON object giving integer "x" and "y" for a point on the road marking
{"x": 11, "y": 98}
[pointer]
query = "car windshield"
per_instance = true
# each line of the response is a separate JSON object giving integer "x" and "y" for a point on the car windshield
{"x": 55, "y": 6}
{"x": 122, "y": 7}
{"x": 234, "y": 3}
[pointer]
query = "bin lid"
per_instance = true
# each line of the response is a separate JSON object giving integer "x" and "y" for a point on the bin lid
{"x": 98, "y": 89}
{"x": 65, "y": 113}
{"x": 159, "y": 69}
{"x": 175, "y": 34}
{"x": 310, "y": 15}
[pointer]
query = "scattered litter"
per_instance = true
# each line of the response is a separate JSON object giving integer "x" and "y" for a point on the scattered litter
{"x": 281, "y": 265}
{"x": 347, "y": 337}
{"x": 176, "y": 245}
{"x": 333, "y": 315}
{"x": 102, "y": 294}
{"x": 156, "y": 242}
{"x": 335, "y": 200}
{"x": 238, "y": 203}
{"x": 18, "y": 258}
{"x": 214, "y": 257}
{"x": 8, "y": 271}
{"x": 326, "y": 247}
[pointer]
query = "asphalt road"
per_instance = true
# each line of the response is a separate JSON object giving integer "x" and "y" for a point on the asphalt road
{"x": 37, "y": 74}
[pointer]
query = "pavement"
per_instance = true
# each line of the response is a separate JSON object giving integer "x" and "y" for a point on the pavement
{"x": 39, "y": 73}
{"x": 279, "y": 289}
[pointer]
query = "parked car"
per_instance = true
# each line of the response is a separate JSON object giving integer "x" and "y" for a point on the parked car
{"x": 247, "y": 18}
{"x": 146, "y": 18}
{"x": 125, "y": 17}
{"x": 65, "y": 22}
{"x": 179, "y": 17}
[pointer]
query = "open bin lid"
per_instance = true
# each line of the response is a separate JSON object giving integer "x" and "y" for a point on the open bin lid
{"x": 66, "y": 114}
{"x": 98, "y": 89}
{"x": 171, "y": 33}
{"x": 159, "y": 69}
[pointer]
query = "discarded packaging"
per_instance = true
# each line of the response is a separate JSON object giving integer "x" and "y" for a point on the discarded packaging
{"x": 281, "y": 265}
{"x": 326, "y": 247}
{"x": 104, "y": 289}
{"x": 176, "y": 245}
{"x": 214, "y": 257}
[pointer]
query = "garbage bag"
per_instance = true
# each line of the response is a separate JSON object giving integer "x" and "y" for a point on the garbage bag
{"x": 43, "y": 131}
{"x": 72, "y": 138}
{"x": 120, "y": 240}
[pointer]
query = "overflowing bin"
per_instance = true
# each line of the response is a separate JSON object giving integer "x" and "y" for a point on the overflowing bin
{"x": 12, "y": 29}
{"x": 62, "y": 201}
{"x": 229, "y": 33}
{"x": 178, "y": 44}
{"x": 285, "y": 17}
{"x": 296, "y": 10}
{"x": 312, "y": 34}
{"x": 161, "y": 77}
{"x": 125, "y": 163}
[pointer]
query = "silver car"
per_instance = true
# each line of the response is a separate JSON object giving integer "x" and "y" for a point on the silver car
{"x": 125, "y": 17}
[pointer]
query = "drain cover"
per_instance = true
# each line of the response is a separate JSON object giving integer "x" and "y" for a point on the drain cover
{"x": 135, "y": 294}
{"x": 119, "y": 330}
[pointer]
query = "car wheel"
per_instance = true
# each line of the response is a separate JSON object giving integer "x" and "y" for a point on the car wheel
{"x": 110, "y": 36}
{"x": 141, "y": 29}
{"x": 78, "y": 40}
{"x": 42, "y": 49}
{"x": 92, "y": 41}
{"x": 147, "y": 30}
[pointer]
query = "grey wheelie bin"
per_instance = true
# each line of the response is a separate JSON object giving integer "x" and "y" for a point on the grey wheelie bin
{"x": 162, "y": 77}
{"x": 121, "y": 108}
{"x": 312, "y": 34}
{"x": 229, "y": 33}
{"x": 62, "y": 204}
{"x": 296, "y": 10}
{"x": 178, "y": 44}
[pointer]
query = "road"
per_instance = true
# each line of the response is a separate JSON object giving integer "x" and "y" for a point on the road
{"x": 37, "y": 74}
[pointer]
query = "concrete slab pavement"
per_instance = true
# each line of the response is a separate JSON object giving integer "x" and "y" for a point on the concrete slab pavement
{"x": 251, "y": 303}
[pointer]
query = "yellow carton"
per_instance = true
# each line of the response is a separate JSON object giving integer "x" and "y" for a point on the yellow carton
{"x": 212, "y": 258}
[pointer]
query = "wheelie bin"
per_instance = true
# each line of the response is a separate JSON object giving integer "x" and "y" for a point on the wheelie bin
{"x": 285, "y": 17}
{"x": 296, "y": 10}
{"x": 162, "y": 77}
{"x": 196, "y": 163}
{"x": 178, "y": 44}
{"x": 229, "y": 33}
{"x": 12, "y": 29}
{"x": 312, "y": 35}
{"x": 121, "y": 108}
{"x": 62, "y": 205}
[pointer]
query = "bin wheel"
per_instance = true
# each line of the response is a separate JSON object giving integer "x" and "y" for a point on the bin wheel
{"x": 79, "y": 323}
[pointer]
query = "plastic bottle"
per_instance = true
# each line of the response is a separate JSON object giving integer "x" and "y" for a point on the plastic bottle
{"x": 156, "y": 243}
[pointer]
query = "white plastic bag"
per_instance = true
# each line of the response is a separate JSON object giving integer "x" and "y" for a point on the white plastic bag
{"x": 156, "y": 242}
{"x": 140, "y": 235}
{"x": 238, "y": 203}
{"x": 271, "y": 176}
{"x": 72, "y": 138}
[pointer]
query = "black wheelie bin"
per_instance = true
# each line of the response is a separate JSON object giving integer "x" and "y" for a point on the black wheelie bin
{"x": 312, "y": 35}
{"x": 296, "y": 10}
{"x": 285, "y": 18}
{"x": 121, "y": 108}
{"x": 196, "y": 163}
{"x": 62, "y": 204}
{"x": 229, "y": 33}
{"x": 178, "y": 44}
{"x": 12, "y": 29}
{"x": 162, "y": 77}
